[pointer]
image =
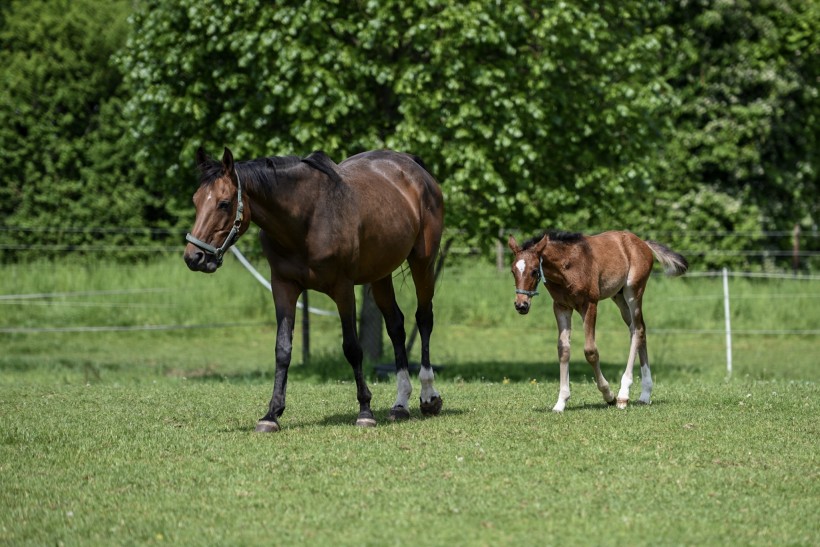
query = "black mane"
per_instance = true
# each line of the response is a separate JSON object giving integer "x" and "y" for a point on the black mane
{"x": 554, "y": 235}
{"x": 264, "y": 170}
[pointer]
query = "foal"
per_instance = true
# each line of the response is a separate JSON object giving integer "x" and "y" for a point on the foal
{"x": 578, "y": 272}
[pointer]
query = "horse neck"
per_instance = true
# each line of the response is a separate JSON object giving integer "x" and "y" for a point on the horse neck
{"x": 280, "y": 202}
{"x": 555, "y": 257}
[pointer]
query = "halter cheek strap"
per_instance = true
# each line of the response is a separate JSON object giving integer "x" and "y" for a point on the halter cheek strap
{"x": 233, "y": 235}
{"x": 540, "y": 277}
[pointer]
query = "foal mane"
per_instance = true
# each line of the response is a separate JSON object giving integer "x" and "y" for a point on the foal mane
{"x": 570, "y": 238}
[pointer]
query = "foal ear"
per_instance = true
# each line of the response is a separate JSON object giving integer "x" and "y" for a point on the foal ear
{"x": 539, "y": 247}
{"x": 513, "y": 245}
{"x": 227, "y": 162}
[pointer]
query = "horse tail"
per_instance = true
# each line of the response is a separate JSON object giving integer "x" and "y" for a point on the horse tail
{"x": 674, "y": 264}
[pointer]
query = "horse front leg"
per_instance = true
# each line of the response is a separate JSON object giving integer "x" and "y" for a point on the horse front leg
{"x": 590, "y": 313}
{"x": 284, "y": 296}
{"x": 346, "y": 303}
{"x": 563, "y": 316}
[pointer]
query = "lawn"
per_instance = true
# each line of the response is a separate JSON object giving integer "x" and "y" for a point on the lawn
{"x": 132, "y": 437}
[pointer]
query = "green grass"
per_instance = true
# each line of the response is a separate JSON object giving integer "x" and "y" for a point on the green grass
{"x": 177, "y": 461}
{"x": 146, "y": 436}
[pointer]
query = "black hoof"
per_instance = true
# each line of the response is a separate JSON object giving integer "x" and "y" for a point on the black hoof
{"x": 431, "y": 408}
{"x": 266, "y": 426}
{"x": 398, "y": 414}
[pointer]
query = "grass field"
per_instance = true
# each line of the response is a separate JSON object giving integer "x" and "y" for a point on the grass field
{"x": 135, "y": 437}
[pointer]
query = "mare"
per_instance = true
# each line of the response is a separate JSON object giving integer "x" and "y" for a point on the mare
{"x": 579, "y": 271}
{"x": 328, "y": 227}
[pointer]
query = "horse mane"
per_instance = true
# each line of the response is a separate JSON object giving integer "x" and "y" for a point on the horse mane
{"x": 258, "y": 171}
{"x": 556, "y": 236}
{"x": 321, "y": 162}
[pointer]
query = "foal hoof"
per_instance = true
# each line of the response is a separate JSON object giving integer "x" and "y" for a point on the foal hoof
{"x": 431, "y": 408}
{"x": 366, "y": 419}
{"x": 398, "y": 414}
{"x": 266, "y": 426}
{"x": 622, "y": 403}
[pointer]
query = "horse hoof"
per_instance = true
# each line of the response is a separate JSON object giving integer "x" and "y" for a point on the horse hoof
{"x": 611, "y": 401}
{"x": 622, "y": 403}
{"x": 398, "y": 414}
{"x": 365, "y": 422}
{"x": 431, "y": 408}
{"x": 266, "y": 426}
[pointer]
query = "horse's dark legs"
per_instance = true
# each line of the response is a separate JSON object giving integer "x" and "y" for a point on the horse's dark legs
{"x": 346, "y": 304}
{"x": 385, "y": 298}
{"x": 285, "y": 300}
{"x": 630, "y": 304}
{"x": 424, "y": 280}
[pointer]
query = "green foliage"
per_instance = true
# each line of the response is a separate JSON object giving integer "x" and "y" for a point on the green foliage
{"x": 60, "y": 130}
{"x": 746, "y": 118}
{"x": 519, "y": 111}
{"x": 586, "y": 115}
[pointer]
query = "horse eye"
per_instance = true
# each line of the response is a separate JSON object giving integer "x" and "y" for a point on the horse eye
{"x": 224, "y": 205}
{"x": 535, "y": 273}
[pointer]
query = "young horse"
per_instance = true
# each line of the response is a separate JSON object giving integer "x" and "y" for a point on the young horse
{"x": 328, "y": 227}
{"x": 578, "y": 272}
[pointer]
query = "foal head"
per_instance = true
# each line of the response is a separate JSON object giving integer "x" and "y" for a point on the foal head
{"x": 526, "y": 269}
{"x": 220, "y": 213}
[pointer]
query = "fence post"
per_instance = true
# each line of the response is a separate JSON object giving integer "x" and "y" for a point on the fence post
{"x": 728, "y": 321}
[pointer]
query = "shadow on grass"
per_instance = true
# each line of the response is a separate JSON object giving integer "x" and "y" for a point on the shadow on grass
{"x": 332, "y": 369}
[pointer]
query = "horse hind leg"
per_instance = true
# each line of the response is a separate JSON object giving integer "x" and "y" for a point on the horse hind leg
{"x": 385, "y": 297}
{"x": 421, "y": 268}
{"x": 630, "y": 304}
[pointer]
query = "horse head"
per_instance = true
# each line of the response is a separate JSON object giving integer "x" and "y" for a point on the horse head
{"x": 526, "y": 269}
{"x": 220, "y": 213}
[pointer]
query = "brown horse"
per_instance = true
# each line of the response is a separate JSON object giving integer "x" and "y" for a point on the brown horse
{"x": 578, "y": 272}
{"x": 328, "y": 227}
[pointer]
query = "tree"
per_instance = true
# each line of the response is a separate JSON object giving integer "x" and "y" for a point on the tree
{"x": 59, "y": 124}
{"x": 741, "y": 155}
{"x": 523, "y": 113}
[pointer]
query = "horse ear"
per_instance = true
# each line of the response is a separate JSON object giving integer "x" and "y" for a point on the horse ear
{"x": 201, "y": 157}
{"x": 539, "y": 247}
{"x": 513, "y": 245}
{"x": 227, "y": 161}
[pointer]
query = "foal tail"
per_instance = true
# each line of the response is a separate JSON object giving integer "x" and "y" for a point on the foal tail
{"x": 674, "y": 264}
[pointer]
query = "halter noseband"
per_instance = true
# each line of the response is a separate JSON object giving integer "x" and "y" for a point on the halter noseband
{"x": 232, "y": 236}
{"x": 540, "y": 277}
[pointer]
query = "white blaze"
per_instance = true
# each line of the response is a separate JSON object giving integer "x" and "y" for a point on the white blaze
{"x": 521, "y": 265}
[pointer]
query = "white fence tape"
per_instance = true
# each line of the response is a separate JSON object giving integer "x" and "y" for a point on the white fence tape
{"x": 265, "y": 283}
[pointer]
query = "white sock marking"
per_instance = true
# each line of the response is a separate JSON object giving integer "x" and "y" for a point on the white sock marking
{"x": 403, "y": 388}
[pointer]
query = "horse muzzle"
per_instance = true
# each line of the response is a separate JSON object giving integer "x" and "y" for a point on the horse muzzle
{"x": 522, "y": 305}
{"x": 200, "y": 261}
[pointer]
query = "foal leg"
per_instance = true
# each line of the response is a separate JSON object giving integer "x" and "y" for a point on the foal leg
{"x": 385, "y": 298}
{"x": 284, "y": 297}
{"x": 563, "y": 317}
{"x": 590, "y": 314}
{"x": 424, "y": 279}
{"x": 629, "y": 303}
{"x": 346, "y": 304}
